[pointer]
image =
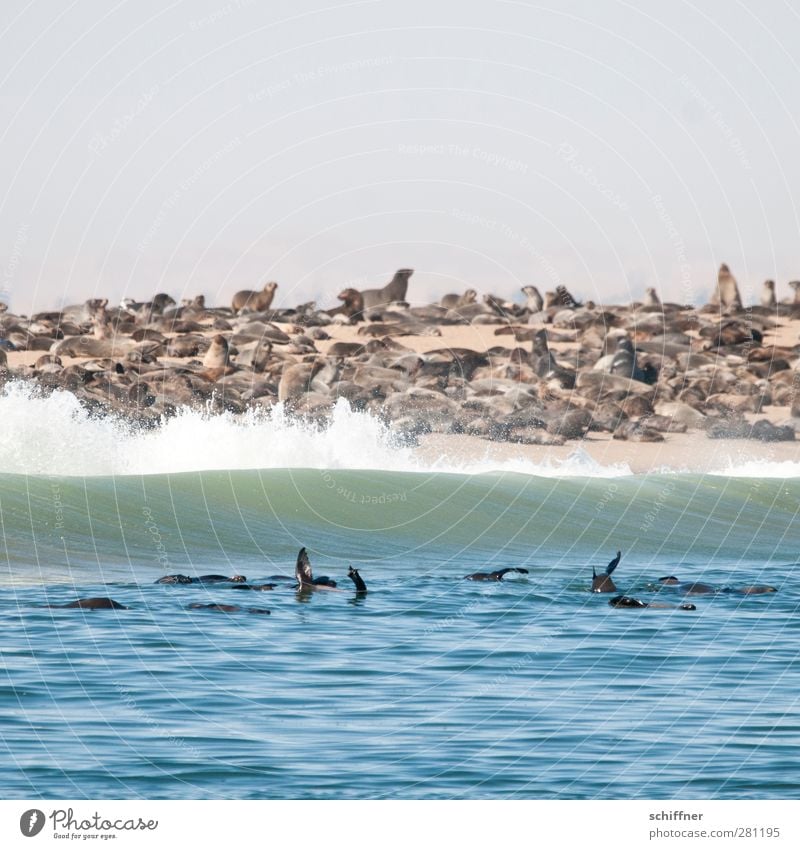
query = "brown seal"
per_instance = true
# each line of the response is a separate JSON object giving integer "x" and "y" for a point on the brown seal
{"x": 651, "y": 298}
{"x": 768, "y": 294}
{"x": 296, "y": 379}
{"x": 394, "y": 290}
{"x": 255, "y": 301}
{"x": 352, "y": 306}
{"x": 217, "y": 355}
{"x": 726, "y": 294}
{"x": 535, "y": 302}
{"x": 452, "y": 302}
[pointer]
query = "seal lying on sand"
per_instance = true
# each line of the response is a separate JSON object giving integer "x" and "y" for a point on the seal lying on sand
{"x": 495, "y": 576}
{"x": 627, "y": 601}
{"x": 603, "y": 583}
{"x": 93, "y": 604}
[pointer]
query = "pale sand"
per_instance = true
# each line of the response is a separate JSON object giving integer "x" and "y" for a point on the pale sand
{"x": 693, "y": 453}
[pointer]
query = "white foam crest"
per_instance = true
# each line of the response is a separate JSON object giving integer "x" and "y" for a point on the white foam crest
{"x": 578, "y": 464}
{"x": 54, "y": 435}
{"x": 759, "y": 469}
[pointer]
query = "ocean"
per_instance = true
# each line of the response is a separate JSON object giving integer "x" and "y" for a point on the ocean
{"x": 430, "y": 686}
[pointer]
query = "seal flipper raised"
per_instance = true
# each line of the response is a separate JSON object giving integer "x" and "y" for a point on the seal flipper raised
{"x": 361, "y": 587}
{"x": 603, "y": 583}
{"x": 304, "y": 575}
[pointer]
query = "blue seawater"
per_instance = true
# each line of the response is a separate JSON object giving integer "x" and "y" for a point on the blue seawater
{"x": 431, "y": 686}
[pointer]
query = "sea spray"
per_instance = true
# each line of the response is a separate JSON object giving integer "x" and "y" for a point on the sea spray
{"x": 52, "y": 434}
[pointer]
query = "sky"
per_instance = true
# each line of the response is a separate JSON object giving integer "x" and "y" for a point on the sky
{"x": 215, "y": 145}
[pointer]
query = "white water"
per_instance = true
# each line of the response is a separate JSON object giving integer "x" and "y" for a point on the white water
{"x": 54, "y": 435}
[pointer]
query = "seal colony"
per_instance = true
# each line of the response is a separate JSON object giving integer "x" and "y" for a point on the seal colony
{"x": 560, "y": 368}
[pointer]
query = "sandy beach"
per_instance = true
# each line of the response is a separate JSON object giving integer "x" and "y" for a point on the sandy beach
{"x": 637, "y": 388}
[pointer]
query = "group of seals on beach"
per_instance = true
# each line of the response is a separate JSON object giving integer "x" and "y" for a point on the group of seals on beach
{"x": 560, "y": 368}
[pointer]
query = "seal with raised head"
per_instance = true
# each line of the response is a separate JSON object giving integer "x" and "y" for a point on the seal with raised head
{"x": 217, "y": 355}
{"x": 651, "y": 298}
{"x": 603, "y": 583}
{"x": 255, "y": 301}
{"x": 496, "y": 575}
{"x": 394, "y": 290}
{"x": 534, "y": 301}
{"x": 726, "y": 293}
{"x": 768, "y": 294}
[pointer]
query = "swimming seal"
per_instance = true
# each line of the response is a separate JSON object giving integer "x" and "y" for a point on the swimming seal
{"x": 361, "y": 587}
{"x": 256, "y": 587}
{"x": 495, "y": 576}
{"x": 228, "y": 608}
{"x": 203, "y": 579}
{"x": 220, "y": 579}
{"x": 93, "y": 604}
{"x": 603, "y": 583}
{"x": 628, "y": 601}
{"x": 706, "y": 589}
{"x": 305, "y": 578}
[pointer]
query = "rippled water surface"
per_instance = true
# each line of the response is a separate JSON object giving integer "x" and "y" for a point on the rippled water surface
{"x": 429, "y": 687}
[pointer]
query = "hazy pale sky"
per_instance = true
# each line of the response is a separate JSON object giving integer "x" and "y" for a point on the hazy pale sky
{"x": 210, "y": 146}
